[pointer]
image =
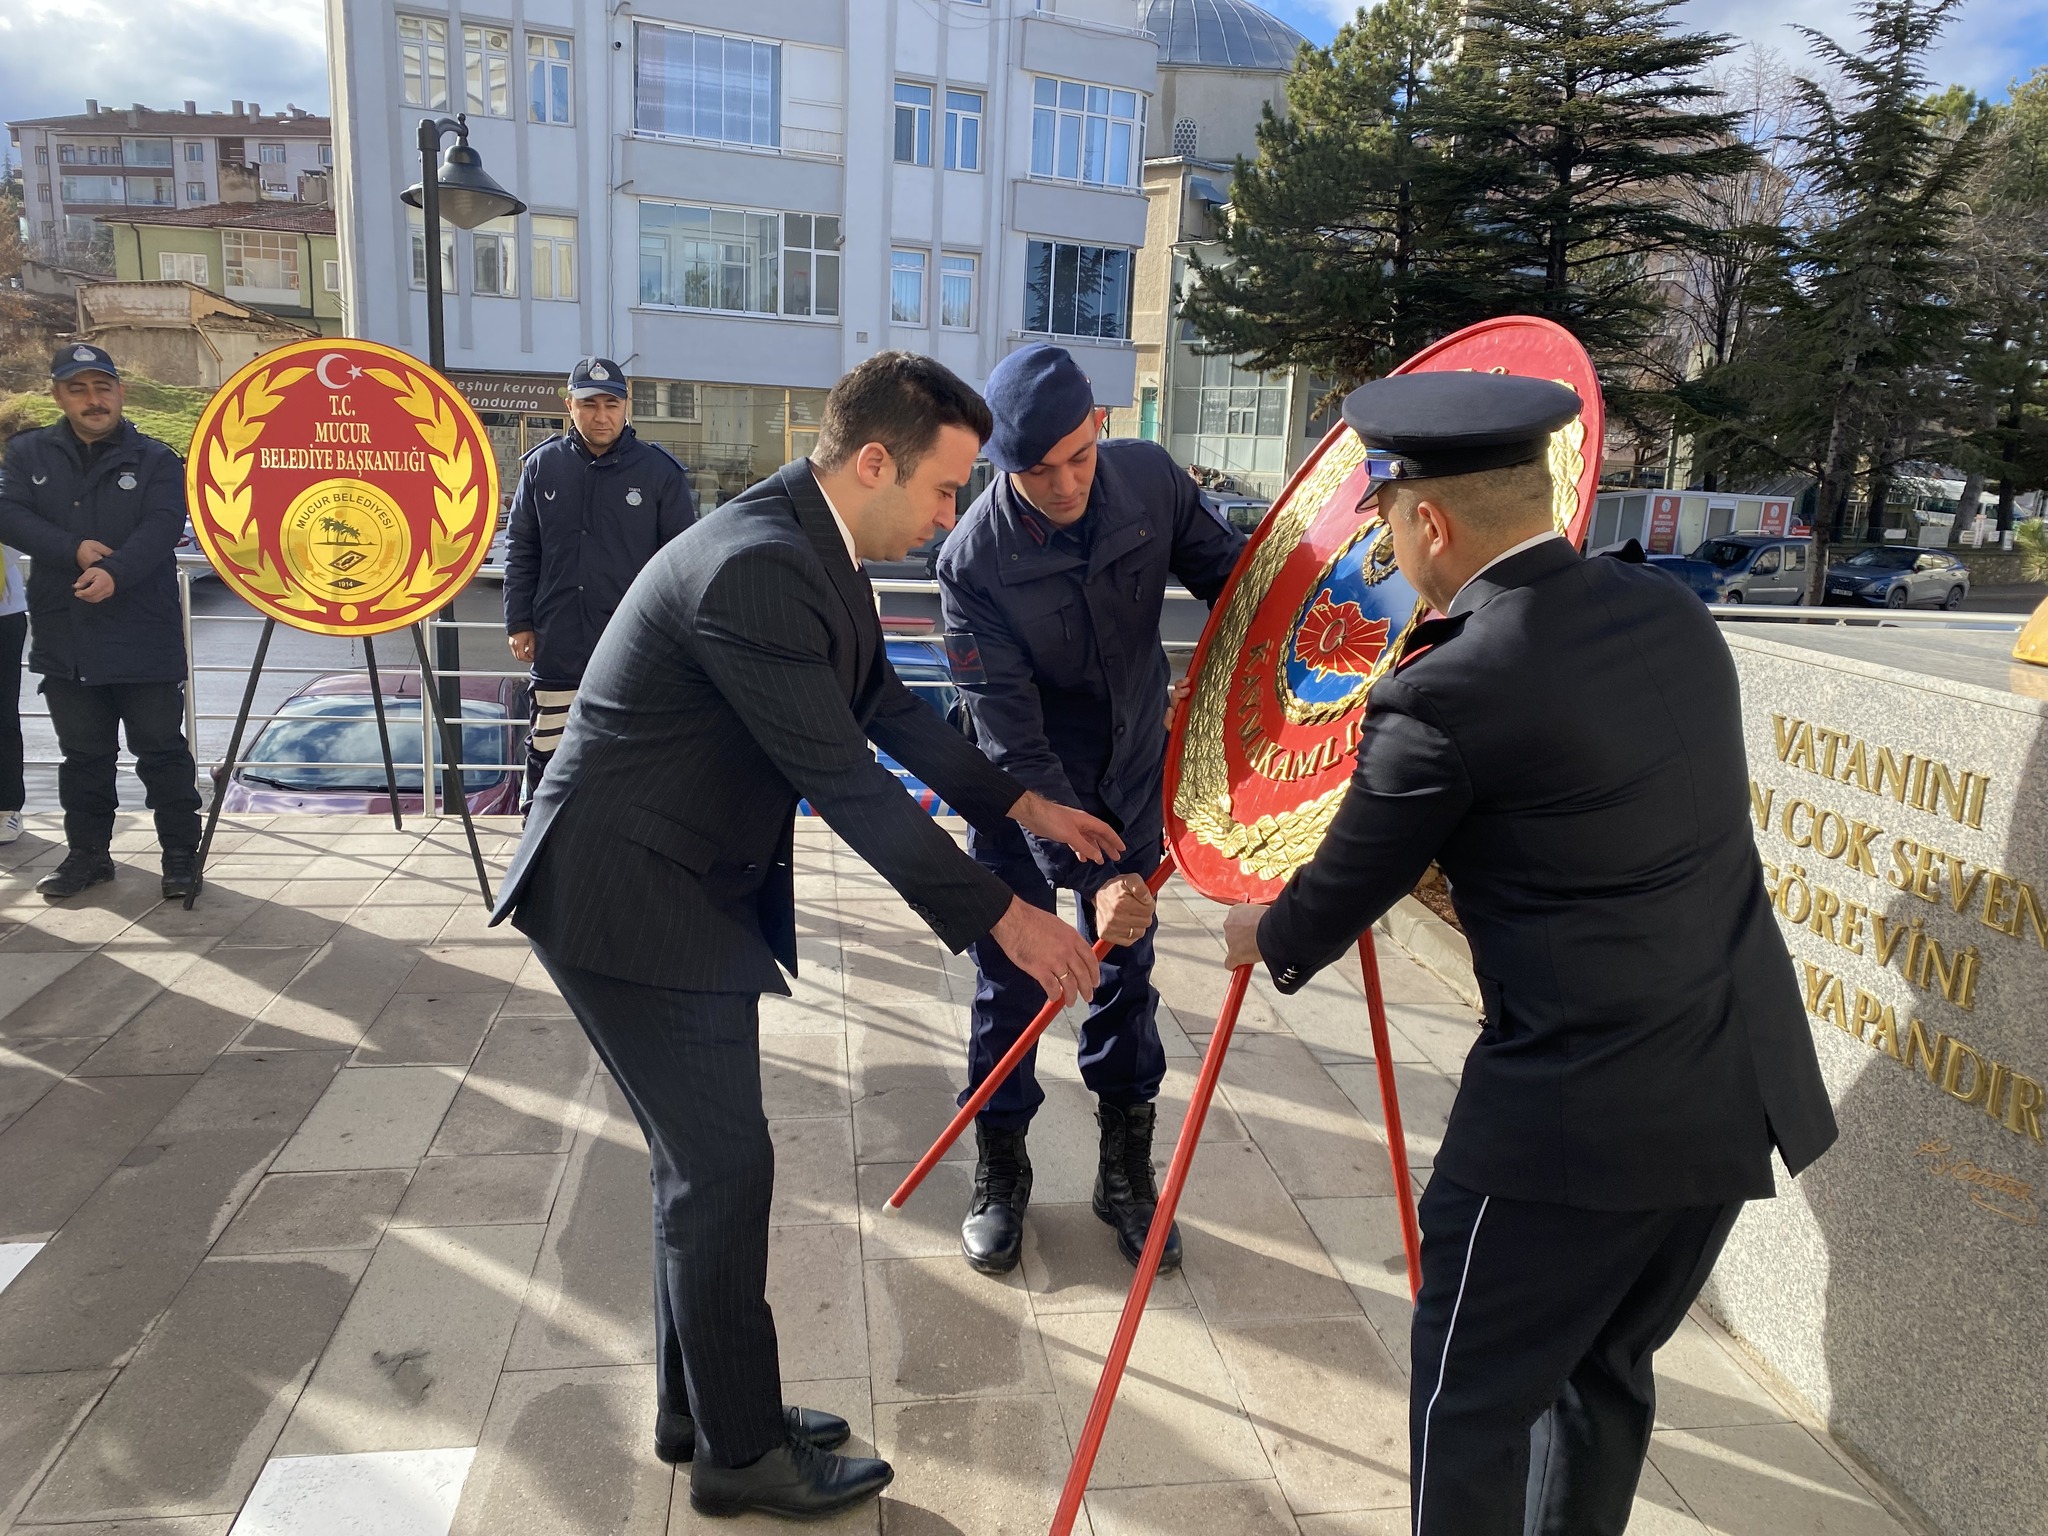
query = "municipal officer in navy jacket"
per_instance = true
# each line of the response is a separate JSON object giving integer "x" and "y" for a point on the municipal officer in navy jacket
{"x": 99, "y": 509}
{"x": 1050, "y": 592}
{"x": 592, "y": 507}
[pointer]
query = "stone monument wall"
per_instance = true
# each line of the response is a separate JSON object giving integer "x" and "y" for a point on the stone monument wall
{"x": 1899, "y": 801}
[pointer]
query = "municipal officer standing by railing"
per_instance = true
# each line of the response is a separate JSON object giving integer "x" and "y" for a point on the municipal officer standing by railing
{"x": 99, "y": 508}
{"x": 592, "y": 507}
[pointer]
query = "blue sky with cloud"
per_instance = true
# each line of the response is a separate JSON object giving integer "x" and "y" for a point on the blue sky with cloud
{"x": 56, "y": 53}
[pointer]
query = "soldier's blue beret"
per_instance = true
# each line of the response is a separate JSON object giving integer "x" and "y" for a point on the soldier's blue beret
{"x": 1419, "y": 426}
{"x": 597, "y": 376}
{"x": 81, "y": 358}
{"x": 1037, "y": 395}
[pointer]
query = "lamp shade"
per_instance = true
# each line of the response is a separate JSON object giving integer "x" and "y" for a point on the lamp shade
{"x": 469, "y": 196}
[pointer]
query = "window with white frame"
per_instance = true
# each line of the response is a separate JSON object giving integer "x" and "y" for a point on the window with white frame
{"x": 963, "y": 130}
{"x": 330, "y": 276}
{"x": 182, "y": 267}
{"x": 146, "y": 152}
{"x": 327, "y": 155}
{"x": 152, "y": 191}
{"x": 551, "y": 239}
{"x": 92, "y": 189}
{"x": 547, "y": 77}
{"x": 913, "y": 123}
{"x": 1086, "y": 133}
{"x": 270, "y": 154}
{"x": 487, "y": 71}
{"x": 1228, "y": 417}
{"x": 423, "y": 62}
{"x": 42, "y": 154}
{"x": 256, "y": 259}
{"x": 494, "y": 258}
{"x": 906, "y": 287}
{"x": 1077, "y": 290}
{"x": 195, "y": 191}
{"x": 195, "y": 153}
{"x": 689, "y": 84}
{"x": 956, "y": 291}
{"x": 810, "y": 264}
{"x": 42, "y": 191}
{"x": 665, "y": 400}
{"x": 419, "y": 256}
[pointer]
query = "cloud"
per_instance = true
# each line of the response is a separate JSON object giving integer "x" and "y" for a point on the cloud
{"x": 56, "y": 53}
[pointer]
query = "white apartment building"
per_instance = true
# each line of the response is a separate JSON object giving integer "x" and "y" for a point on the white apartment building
{"x": 739, "y": 202}
{"x": 79, "y": 172}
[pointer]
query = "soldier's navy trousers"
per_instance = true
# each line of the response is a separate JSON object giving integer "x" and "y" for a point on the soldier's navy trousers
{"x": 1121, "y": 1058}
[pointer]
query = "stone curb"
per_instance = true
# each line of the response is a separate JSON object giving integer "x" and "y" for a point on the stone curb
{"x": 1435, "y": 945}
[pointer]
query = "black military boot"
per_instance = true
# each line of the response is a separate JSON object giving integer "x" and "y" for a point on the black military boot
{"x": 992, "y": 1236}
{"x": 81, "y": 867}
{"x": 1125, "y": 1194}
{"x": 181, "y": 873}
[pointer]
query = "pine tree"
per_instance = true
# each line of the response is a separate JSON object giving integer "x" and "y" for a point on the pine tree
{"x": 1581, "y": 129}
{"x": 1344, "y": 253}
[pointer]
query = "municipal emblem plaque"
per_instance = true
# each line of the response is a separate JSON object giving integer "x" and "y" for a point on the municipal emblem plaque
{"x": 1315, "y": 613}
{"x": 342, "y": 487}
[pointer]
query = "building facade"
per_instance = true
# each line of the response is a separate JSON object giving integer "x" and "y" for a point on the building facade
{"x": 78, "y": 173}
{"x": 278, "y": 259}
{"x": 740, "y": 203}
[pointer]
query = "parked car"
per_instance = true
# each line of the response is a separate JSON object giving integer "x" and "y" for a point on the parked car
{"x": 1900, "y": 576}
{"x": 1744, "y": 568}
{"x": 1243, "y": 513}
{"x": 191, "y": 557}
{"x": 922, "y": 666}
{"x": 313, "y": 757}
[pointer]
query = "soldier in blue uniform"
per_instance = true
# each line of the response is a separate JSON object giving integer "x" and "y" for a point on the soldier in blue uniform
{"x": 1050, "y": 592}
{"x": 592, "y": 507}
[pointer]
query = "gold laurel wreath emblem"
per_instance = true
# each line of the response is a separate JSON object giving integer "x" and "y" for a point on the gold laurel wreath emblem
{"x": 455, "y": 490}
{"x": 230, "y": 454}
{"x": 1270, "y": 847}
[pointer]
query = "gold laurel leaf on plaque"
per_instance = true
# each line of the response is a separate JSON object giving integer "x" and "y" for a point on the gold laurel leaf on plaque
{"x": 1269, "y": 847}
{"x": 230, "y": 457}
{"x": 448, "y": 453}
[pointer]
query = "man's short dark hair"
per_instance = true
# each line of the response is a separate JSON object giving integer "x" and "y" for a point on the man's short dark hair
{"x": 900, "y": 400}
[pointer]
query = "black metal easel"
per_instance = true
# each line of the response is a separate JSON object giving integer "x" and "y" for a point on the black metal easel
{"x": 451, "y": 746}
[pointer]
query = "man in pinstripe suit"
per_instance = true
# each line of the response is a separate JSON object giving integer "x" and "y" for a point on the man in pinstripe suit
{"x": 744, "y": 670}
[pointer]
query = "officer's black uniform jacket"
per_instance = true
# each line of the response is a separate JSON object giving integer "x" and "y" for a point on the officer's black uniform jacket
{"x": 1569, "y": 751}
{"x": 131, "y": 499}
{"x": 744, "y": 669}
{"x": 1059, "y": 656}
{"x": 583, "y": 525}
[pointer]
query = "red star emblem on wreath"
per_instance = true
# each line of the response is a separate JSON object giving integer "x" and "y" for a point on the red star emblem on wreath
{"x": 1338, "y": 637}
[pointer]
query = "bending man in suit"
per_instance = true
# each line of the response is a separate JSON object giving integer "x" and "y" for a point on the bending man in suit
{"x": 1566, "y": 743}
{"x": 743, "y": 670}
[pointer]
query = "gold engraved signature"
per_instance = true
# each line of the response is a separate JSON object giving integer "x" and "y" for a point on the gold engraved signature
{"x": 1999, "y": 1193}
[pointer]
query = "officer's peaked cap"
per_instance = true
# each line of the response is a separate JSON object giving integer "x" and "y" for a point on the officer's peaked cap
{"x": 1420, "y": 426}
{"x": 1037, "y": 395}
{"x": 81, "y": 357}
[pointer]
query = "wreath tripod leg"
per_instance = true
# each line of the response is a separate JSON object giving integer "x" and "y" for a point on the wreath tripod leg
{"x": 227, "y": 765}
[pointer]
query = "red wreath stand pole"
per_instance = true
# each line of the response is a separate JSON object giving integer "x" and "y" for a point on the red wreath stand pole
{"x": 1000, "y": 1072}
{"x": 1390, "y": 1106}
{"x": 1148, "y": 1261}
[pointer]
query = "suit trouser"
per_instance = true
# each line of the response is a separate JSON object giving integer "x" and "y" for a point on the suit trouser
{"x": 1121, "y": 1058}
{"x": 13, "y": 635}
{"x": 88, "y": 718}
{"x": 1532, "y": 1398}
{"x": 689, "y": 1064}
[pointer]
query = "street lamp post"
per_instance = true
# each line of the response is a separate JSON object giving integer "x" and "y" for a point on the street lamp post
{"x": 460, "y": 189}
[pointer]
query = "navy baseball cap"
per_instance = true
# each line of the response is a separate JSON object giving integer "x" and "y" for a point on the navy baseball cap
{"x": 597, "y": 376}
{"x": 1422, "y": 426}
{"x": 1037, "y": 395}
{"x": 81, "y": 358}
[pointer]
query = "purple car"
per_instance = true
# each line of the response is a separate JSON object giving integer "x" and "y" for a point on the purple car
{"x": 311, "y": 758}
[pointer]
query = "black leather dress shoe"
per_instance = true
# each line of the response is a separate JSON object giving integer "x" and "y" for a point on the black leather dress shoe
{"x": 675, "y": 1434}
{"x": 796, "y": 1481}
{"x": 181, "y": 873}
{"x": 992, "y": 1236}
{"x": 81, "y": 867}
{"x": 1125, "y": 1193}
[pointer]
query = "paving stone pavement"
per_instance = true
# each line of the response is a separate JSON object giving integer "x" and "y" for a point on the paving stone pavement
{"x": 316, "y": 1215}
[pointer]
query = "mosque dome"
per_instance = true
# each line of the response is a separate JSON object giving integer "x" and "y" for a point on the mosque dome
{"x": 1220, "y": 34}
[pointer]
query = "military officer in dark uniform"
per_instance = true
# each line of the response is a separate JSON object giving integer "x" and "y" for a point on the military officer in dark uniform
{"x": 592, "y": 507}
{"x": 99, "y": 508}
{"x": 1565, "y": 742}
{"x": 1050, "y": 593}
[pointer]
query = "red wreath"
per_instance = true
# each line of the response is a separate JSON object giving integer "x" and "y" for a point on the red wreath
{"x": 1339, "y": 638}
